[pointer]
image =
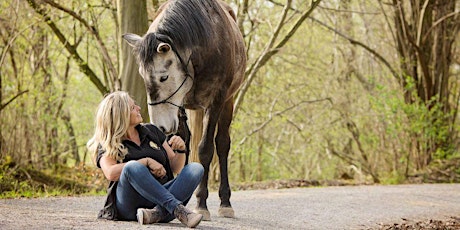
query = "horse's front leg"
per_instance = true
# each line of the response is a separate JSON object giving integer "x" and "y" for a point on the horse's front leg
{"x": 205, "y": 154}
{"x": 223, "y": 148}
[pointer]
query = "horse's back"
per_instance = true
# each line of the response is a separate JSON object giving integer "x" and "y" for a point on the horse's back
{"x": 240, "y": 56}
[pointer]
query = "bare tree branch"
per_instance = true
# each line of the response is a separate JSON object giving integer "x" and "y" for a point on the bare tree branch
{"x": 420, "y": 23}
{"x": 387, "y": 20}
{"x": 115, "y": 84}
{"x": 70, "y": 48}
{"x": 358, "y": 43}
{"x": 271, "y": 115}
{"x": 269, "y": 51}
{"x": 12, "y": 99}
{"x": 439, "y": 21}
{"x": 353, "y": 42}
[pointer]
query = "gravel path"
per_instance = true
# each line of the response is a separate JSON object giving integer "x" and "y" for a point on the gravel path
{"x": 349, "y": 207}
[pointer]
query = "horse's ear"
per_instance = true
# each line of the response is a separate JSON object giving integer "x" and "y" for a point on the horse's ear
{"x": 132, "y": 39}
{"x": 163, "y": 48}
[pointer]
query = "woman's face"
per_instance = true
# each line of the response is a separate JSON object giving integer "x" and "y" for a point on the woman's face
{"x": 135, "y": 115}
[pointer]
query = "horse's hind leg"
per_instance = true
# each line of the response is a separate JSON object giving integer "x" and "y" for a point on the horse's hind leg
{"x": 223, "y": 148}
{"x": 205, "y": 154}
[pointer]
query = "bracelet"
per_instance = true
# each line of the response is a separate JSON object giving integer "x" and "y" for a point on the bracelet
{"x": 179, "y": 151}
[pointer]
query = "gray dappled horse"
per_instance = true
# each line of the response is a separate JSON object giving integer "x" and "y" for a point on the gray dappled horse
{"x": 193, "y": 57}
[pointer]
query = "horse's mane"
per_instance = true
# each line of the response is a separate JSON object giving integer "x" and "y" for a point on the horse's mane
{"x": 188, "y": 22}
{"x": 185, "y": 24}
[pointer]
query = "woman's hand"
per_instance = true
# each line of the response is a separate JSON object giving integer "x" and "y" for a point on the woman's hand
{"x": 177, "y": 143}
{"x": 155, "y": 168}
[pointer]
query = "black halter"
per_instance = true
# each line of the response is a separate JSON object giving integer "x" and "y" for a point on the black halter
{"x": 187, "y": 75}
{"x": 165, "y": 101}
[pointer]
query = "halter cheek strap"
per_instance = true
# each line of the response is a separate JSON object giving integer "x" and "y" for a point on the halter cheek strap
{"x": 165, "y": 101}
{"x": 187, "y": 75}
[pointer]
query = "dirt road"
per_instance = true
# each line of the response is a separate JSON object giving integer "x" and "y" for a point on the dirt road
{"x": 349, "y": 207}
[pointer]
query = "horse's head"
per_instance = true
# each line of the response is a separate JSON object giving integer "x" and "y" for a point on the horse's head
{"x": 166, "y": 74}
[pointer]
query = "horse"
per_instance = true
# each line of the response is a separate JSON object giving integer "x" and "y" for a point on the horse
{"x": 193, "y": 57}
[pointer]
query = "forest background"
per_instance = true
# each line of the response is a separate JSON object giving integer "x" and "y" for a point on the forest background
{"x": 350, "y": 91}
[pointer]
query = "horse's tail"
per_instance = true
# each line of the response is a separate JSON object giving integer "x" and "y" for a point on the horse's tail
{"x": 196, "y": 128}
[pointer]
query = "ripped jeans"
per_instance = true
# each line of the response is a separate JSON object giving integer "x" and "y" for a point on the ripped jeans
{"x": 137, "y": 188}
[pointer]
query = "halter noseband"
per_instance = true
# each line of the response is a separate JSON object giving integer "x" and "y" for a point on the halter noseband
{"x": 165, "y": 101}
{"x": 187, "y": 75}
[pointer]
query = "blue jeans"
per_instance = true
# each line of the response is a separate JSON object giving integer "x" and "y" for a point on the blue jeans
{"x": 137, "y": 188}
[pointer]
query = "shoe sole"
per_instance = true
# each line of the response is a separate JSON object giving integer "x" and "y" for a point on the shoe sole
{"x": 140, "y": 217}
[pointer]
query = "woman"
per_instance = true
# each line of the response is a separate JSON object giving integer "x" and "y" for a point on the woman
{"x": 140, "y": 163}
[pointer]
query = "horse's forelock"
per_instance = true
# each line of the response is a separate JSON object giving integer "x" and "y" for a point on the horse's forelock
{"x": 147, "y": 49}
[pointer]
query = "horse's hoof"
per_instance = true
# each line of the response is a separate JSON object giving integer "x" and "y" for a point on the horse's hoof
{"x": 204, "y": 212}
{"x": 226, "y": 212}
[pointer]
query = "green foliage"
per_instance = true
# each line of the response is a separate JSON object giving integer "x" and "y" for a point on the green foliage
{"x": 19, "y": 181}
{"x": 394, "y": 178}
{"x": 416, "y": 131}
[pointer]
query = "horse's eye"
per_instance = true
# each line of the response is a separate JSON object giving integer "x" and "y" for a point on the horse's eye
{"x": 163, "y": 78}
{"x": 164, "y": 49}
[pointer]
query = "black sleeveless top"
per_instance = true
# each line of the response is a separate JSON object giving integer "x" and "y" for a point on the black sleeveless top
{"x": 152, "y": 140}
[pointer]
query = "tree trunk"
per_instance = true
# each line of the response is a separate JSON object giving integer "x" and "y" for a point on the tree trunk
{"x": 133, "y": 18}
{"x": 425, "y": 33}
{"x": 65, "y": 117}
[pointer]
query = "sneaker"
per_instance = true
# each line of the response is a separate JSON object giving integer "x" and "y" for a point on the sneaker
{"x": 187, "y": 217}
{"x": 148, "y": 216}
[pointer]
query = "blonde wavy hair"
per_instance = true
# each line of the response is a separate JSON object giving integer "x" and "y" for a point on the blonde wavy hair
{"x": 112, "y": 122}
